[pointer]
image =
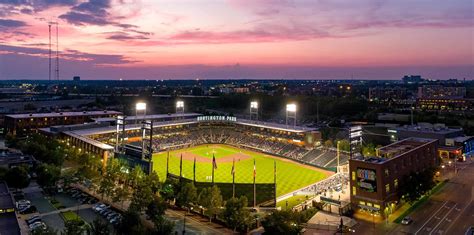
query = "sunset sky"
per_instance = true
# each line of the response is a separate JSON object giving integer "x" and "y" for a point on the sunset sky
{"x": 179, "y": 39}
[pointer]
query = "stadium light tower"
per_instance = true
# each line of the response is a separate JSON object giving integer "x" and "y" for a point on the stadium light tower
{"x": 140, "y": 107}
{"x": 180, "y": 106}
{"x": 291, "y": 113}
{"x": 254, "y": 110}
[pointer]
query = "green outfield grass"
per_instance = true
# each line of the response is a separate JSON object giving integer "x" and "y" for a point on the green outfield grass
{"x": 292, "y": 202}
{"x": 290, "y": 175}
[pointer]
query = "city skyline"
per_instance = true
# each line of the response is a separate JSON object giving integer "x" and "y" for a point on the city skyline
{"x": 239, "y": 39}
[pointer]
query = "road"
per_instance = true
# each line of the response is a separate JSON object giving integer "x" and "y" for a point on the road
{"x": 450, "y": 211}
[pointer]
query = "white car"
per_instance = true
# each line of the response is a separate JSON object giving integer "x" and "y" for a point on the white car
{"x": 38, "y": 225}
{"x": 407, "y": 220}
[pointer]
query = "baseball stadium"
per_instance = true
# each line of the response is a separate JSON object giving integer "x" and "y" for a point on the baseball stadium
{"x": 267, "y": 161}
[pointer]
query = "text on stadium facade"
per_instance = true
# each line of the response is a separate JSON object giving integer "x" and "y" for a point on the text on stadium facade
{"x": 217, "y": 118}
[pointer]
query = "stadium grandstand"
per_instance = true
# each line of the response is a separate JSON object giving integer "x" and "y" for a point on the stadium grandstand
{"x": 180, "y": 130}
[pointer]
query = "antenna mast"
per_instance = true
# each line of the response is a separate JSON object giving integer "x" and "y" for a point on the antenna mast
{"x": 57, "y": 52}
{"x": 49, "y": 71}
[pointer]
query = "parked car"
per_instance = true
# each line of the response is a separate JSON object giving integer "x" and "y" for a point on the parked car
{"x": 407, "y": 220}
{"x": 33, "y": 219}
{"x": 39, "y": 225}
{"x": 92, "y": 201}
{"x": 116, "y": 220}
{"x": 22, "y": 203}
{"x": 28, "y": 210}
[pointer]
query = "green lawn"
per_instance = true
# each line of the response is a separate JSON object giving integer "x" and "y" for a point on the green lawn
{"x": 292, "y": 201}
{"x": 69, "y": 215}
{"x": 290, "y": 175}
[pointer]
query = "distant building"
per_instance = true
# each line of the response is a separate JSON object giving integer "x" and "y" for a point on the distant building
{"x": 451, "y": 141}
{"x": 375, "y": 181}
{"x": 23, "y": 124}
{"x": 443, "y": 104}
{"x": 76, "y": 78}
{"x": 387, "y": 93}
{"x": 11, "y": 159}
{"x": 412, "y": 79}
{"x": 441, "y": 92}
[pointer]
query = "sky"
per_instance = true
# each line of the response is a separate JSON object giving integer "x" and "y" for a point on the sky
{"x": 238, "y": 39}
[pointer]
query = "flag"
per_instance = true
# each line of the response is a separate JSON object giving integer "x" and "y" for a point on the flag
{"x": 274, "y": 168}
{"x": 181, "y": 165}
{"x": 214, "y": 163}
{"x": 194, "y": 169}
{"x": 232, "y": 172}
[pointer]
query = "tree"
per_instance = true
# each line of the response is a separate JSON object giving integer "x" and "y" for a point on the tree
{"x": 73, "y": 227}
{"x": 130, "y": 224}
{"x": 17, "y": 177}
{"x": 187, "y": 195}
{"x": 168, "y": 192}
{"x": 156, "y": 208}
{"x": 368, "y": 150}
{"x": 416, "y": 184}
{"x": 99, "y": 227}
{"x": 236, "y": 215}
{"x": 47, "y": 175}
{"x": 163, "y": 226}
{"x": 121, "y": 194}
{"x": 282, "y": 222}
{"x": 154, "y": 182}
{"x": 142, "y": 196}
{"x": 47, "y": 231}
{"x": 211, "y": 199}
{"x": 328, "y": 144}
{"x": 344, "y": 145}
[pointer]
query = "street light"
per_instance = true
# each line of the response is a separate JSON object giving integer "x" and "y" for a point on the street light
{"x": 291, "y": 113}
{"x": 254, "y": 110}
{"x": 179, "y": 106}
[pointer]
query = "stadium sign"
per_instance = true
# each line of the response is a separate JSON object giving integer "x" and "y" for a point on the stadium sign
{"x": 216, "y": 118}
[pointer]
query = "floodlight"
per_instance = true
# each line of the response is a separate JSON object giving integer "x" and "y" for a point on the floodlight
{"x": 140, "y": 106}
{"x": 291, "y": 107}
{"x": 254, "y": 104}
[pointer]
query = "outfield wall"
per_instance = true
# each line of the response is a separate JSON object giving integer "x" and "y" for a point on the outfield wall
{"x": 265, "y": 192}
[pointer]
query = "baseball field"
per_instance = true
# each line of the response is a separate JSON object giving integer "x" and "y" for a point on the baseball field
{"x": 290, "y": 175}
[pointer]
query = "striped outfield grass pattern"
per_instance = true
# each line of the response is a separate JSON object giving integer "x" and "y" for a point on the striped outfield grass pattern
{"x": 290, "y": 175}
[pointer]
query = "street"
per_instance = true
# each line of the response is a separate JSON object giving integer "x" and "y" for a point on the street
{"x": 450, "y": 211}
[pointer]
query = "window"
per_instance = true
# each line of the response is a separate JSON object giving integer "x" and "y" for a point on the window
{"x": 395, "y": 183}
{"x": 387, "y": 188}
{"x": 354, "y": 191}
{"x": 353, "y": 175}
{"x": 369, "y": 204}
{"x": 362, "y": 202}
{"x": 377, "y": 206}
{"x": 387, "y": 173}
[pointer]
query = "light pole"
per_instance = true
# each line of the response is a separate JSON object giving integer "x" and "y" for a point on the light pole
{"x": 179, "y": 106}
{"x": 291, "y": 113}
{"x": 254, "y": 110}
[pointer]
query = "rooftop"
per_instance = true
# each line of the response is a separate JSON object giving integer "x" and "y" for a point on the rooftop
{"x": 429, "y": 128}
{"x": 397, "y": 149}
{"x": 62, "y": 114}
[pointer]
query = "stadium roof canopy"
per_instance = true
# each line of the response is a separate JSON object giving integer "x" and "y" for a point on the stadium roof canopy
{"x": 149, "y": 117}
{"x": 89, "y": 140}
{"x": 61, "y": 114}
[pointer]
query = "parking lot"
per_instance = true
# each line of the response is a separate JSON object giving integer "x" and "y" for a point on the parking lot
{"x": 49, "y": 209}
